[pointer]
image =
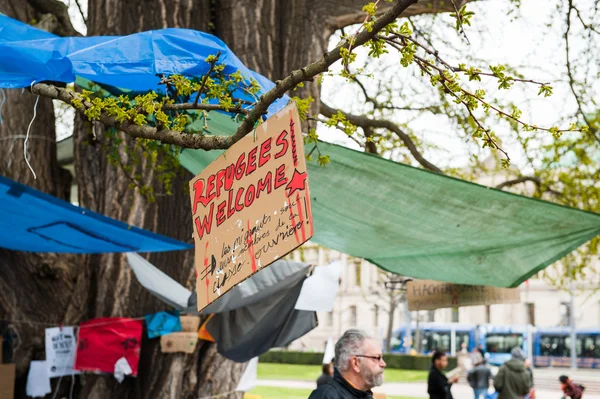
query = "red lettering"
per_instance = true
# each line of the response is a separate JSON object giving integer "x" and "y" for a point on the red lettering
{"x": 280, "y": 179}
{"x": 264, "y": 184}
{"x": 264, "y": 156}
{"x": 198, "y": 189}
{"x": 210, "y": 186}
{"x": 283, "y": 143}
{"x": 250, "y": 195}
{"x": 240, "y": 167}
{"x": 251, "y": 161}
{"x": 230, "y": 205}
{"x": 229, "y": 174}
{"x": 221, "y": 213}
{"x": 220, "y": 177}
{"x": 240, "y": 194}
{"x": 206, "y": 224}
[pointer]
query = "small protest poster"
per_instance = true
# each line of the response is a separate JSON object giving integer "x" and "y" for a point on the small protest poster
{"x": 102, "y": 342}
{"x": 189, "y": 323}
{"x": 60, "y": 351}
{"x": 431, "y": 295}
{"x": 179, "y": 342}
{"x": 251, "y": 206}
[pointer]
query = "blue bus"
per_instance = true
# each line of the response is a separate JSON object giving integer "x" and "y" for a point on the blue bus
{"x": 498, "y": 341}
{"x": 550, "y": 347}
{"x": 449, "y": 338}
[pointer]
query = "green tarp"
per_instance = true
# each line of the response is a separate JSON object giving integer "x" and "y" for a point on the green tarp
{"x": 424, "y": 225}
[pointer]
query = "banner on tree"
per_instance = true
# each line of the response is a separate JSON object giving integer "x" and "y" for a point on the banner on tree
{"x": 251, "y": 206}
{"x": 102, "y": 342}
{"x": 60, "y": 351}
{"x": 431, "y": 295}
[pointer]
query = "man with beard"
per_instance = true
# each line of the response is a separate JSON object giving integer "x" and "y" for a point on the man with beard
{"x": 359, "y": 367}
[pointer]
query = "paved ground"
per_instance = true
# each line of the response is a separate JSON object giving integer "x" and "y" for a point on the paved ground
{"x": 415, "y": 389}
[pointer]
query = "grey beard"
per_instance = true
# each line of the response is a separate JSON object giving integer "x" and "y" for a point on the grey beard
{"x": 373, "y": 380}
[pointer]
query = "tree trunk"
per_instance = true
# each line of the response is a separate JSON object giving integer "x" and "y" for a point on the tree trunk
{"x": 390, "y": 326}
{"x": 35, "y": 289}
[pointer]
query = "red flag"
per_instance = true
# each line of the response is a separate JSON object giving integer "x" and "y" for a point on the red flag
{"x": 104, "y": 341}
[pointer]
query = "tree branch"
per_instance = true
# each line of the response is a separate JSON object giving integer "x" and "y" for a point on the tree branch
{"x": 61, "y": 12}
{"x": 363, "y": 121}
{"x": 524, "y": 179}
{"x": 185, "y": 140}
{"x": 580, "y": 111}
{"x": 316, "y": 68}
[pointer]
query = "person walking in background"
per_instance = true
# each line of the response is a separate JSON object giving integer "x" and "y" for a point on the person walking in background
{"x": 359, "y": 366}
{"x": 438, "y": 385}
{"x": 513, "y": 381}
{"x": 570, "y": 390}
{"x": 529, "y": 369}
{"x": 327, "y": 374}
{"x": 479, "y": 379}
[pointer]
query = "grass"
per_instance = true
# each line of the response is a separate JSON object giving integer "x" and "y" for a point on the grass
{"x": 300, "y": 372}
{"x": 289, "y": 393}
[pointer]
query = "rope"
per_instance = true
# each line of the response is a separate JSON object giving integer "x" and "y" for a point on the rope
{"x": 47, "y": 324}
{"x": 2, "y": 104}
{"x": 25, "y": 145}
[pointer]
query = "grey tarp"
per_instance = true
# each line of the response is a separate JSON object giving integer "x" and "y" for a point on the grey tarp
{"x": 252, "y": 318}
{"x": 260, "y": 313}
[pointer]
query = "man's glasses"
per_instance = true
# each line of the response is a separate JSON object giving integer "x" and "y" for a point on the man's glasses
{"x": 378, "y": 358}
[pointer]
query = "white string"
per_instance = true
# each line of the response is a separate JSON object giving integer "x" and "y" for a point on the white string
{"x": 25, "y": 152}
{"x": 2, "y": 104}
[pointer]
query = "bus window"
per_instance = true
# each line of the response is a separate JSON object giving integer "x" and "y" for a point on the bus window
{"x": 591, "y": 346}
{"x": 554, "y": 345}
{"x": 462, "y": 338}
{"x": 503, "y": 343}
{"x": 433, "y": 340}
{"x": 579, "y": 344}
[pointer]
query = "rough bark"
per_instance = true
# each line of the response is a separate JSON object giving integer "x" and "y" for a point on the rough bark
{"x": 34, "y": 288}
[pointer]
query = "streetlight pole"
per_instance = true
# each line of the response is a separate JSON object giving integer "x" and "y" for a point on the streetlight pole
{"x": 572, "y": 322}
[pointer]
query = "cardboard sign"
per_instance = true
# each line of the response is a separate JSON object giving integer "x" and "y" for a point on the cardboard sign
{"x": 60, "y": 351}
{"x": 102, "y": 342}
{"x": 251, "y": 206}
{"x": 430, "y": 295}
{"x": 189, "y": 323}
{"x": 179, "y": 342}
{"x": 8, "y": 373}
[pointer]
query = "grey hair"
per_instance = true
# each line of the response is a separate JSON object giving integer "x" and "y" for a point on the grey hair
{"x": 347, "y": 346}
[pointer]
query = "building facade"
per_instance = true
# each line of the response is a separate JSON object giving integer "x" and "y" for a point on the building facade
{"x": 363, "y": 302}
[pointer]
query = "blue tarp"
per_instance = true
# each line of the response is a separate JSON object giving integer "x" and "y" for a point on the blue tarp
{"x": 36, "y": 222}
{"x": 132, "y": 62}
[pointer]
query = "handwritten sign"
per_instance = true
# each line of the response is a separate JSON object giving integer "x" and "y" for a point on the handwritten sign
{"x": 189, "y": 323}
{"x": 251, "y": 206}
{"x": 179, "y": 342}
{"x": 430, "y": 295}
{"x": 60, "y": 351}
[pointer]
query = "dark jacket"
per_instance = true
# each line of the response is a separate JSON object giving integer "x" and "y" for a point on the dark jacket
{"x": 339, "y": 388}
{"x": 572, "y": 391}
{"x": 512, "y": 381}
{"x": 323, "y": 379}
{"x": 479, "y": 377}
{"x": 438, "y": 386}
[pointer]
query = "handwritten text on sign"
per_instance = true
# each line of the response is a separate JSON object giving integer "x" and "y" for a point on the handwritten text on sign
{"x": 251, "y": 206}
{"x": 430, "y": 295}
